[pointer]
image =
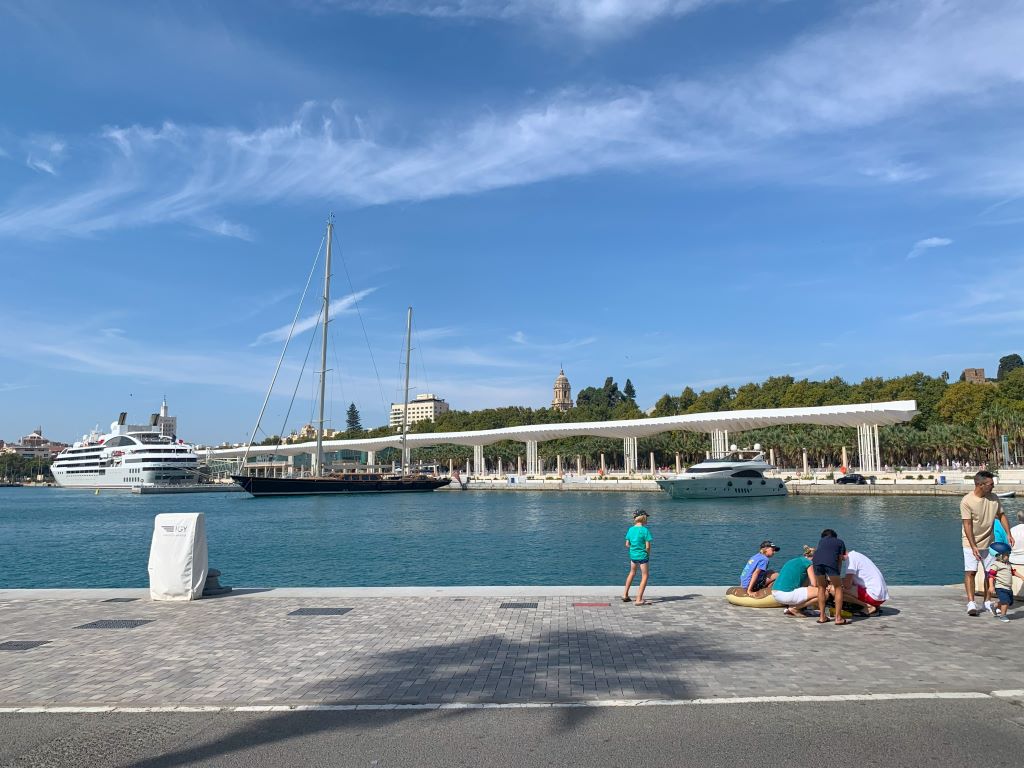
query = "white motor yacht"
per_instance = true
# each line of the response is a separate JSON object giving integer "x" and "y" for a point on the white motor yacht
{"x": 739, "y": 474}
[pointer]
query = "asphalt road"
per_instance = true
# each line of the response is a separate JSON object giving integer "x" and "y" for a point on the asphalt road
{"x": 910, "y": 734}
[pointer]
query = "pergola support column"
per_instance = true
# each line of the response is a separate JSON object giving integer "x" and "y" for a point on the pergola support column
{"x": 867, "y": 442}
{"x": 719, "y": 443}
{"x": 629, "y": 457}
{"x": 531, "y": 457}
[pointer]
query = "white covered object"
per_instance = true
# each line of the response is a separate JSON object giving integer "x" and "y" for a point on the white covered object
{"x": 177, "y": 557}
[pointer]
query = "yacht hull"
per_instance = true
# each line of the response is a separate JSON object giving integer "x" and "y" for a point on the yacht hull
{"x": 323, "y": 486}
{"x": 716, "y": 488}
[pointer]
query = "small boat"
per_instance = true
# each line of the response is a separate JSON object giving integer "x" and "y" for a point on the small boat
{"x": 1007, "y": 495}
{"x": 324, "y": 483}
{"x": 738, "y": 474}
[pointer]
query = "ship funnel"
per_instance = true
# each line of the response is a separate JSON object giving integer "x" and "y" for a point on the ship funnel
{"x": 122, "y": 417}
{"x": 153, "y": 418}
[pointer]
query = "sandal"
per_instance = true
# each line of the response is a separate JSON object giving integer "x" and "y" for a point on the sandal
{"x": 791, "y": 614}
{"x": 822, "y": 620}
{"x": 626, "y": 599}
{"x": 644, "y": 602}
{"x": 841, "y": 621}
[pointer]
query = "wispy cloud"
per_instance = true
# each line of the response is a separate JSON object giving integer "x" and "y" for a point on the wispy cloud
{"x": 882, "y": 62}
{"x": 44, "y": 153}
{"x": 88, "y": 348}
{"x": 927, "y": 244}
{"x": 594, "y": 19}
{"x": 228, "y": 229}
{"x": 338, "y": 306}
{"x": 432, "y": 334}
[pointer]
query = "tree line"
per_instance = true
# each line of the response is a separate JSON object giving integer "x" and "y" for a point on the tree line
{"x": 958, "y": 420}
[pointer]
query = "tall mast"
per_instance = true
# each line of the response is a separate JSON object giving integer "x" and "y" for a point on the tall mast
{"x": 405, "y": 408}
{"x": 323, "y": 348}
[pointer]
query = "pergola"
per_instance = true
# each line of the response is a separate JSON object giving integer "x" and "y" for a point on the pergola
{"x": 866, "y": 417}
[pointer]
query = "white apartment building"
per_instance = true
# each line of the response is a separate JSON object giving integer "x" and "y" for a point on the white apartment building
{"x": 425, "y": 406}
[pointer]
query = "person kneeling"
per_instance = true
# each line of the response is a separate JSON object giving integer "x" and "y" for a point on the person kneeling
{"x": 863, "y": 585}
{"x": 796, "y": 586}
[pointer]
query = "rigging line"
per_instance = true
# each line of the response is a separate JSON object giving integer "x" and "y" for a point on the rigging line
{"x": 298, "y": 381}
{"x": 359, "y": 314}
{"x": 280, "y": 360}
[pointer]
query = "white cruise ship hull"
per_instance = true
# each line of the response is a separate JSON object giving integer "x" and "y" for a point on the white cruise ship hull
{"x": 722, "y": 488}
{"x": 122, "y": 478}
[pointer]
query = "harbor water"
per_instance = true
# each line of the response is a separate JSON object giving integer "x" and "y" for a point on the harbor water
{"x": 52, "y": 537}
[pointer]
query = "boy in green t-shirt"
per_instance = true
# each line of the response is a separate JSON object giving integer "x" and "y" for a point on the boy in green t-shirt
{"x": 638, "y": 542}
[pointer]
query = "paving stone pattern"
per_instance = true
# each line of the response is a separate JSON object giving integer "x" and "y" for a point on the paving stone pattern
{"x": 238, "y": 650}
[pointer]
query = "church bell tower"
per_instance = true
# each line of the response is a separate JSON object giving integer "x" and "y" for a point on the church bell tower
{"x": 563, "y": 393}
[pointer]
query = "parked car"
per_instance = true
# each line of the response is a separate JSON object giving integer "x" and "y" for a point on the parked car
{"x": 852, "y": 479}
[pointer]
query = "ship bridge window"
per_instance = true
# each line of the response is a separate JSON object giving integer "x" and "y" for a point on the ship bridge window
{"x": 700, "y": 470}
{"x": 119, "y": 440}
{"x": 747, "y": 473}
{"x": 154, "y": 438}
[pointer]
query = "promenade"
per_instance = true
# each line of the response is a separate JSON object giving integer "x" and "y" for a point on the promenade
{"x": 482, "y": 646}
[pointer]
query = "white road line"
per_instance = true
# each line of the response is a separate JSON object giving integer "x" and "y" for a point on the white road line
{"x": 516, "y": 705}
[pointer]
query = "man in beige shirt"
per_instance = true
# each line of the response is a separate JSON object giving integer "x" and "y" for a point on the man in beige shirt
{"x": 979, "y": 510}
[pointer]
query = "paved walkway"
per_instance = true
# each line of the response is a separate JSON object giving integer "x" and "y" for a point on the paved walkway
{"x": 476, "y": 645}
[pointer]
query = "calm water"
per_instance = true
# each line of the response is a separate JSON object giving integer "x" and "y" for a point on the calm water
{"x": 51, "y": 537}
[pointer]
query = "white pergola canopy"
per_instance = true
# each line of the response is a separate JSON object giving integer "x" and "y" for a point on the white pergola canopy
{"x": 875, "y": 414}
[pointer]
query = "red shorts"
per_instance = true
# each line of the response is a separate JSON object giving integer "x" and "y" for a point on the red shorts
{"x": 864, "y": 597}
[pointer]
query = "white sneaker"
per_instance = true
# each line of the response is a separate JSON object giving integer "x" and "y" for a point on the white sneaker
{"x": 990, "y": 606}
{"x": 972, "y": 608}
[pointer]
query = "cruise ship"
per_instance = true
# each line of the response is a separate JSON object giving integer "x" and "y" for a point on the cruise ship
{"x": 129, "y": 456}
{"x": 737, "y": 475}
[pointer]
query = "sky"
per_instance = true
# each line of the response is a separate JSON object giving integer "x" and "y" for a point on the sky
{"x": 675, "y": 192}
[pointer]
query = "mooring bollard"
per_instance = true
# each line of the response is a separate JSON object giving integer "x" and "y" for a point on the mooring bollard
{"x": 178, "y": 557}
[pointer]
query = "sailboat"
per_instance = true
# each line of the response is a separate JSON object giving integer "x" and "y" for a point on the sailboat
{"x": 321, "y": 483}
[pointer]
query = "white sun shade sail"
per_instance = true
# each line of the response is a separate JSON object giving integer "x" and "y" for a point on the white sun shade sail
{"x": 881, "y": 414}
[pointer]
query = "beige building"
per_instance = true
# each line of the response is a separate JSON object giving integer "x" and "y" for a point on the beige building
{"x": 33, "y": 446}
{"x": 974, "y": 375}
{"x": 425, "y": 406}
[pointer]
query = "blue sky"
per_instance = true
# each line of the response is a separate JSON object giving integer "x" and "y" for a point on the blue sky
{"x": 678, "y": 192}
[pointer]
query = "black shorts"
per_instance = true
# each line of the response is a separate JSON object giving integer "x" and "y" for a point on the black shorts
{"x": 821, "y": 569}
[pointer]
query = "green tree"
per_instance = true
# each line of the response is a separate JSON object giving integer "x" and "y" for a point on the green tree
{"x": 1011, "y": 386}
{"x": 963, "y": 402}
{"x": 1008, "y": 363}
{"x": 353, "y": 425}
{"x": 629, "y": 391}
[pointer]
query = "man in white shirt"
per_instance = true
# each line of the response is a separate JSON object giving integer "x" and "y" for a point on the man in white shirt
{"x": 863, "y": 584}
